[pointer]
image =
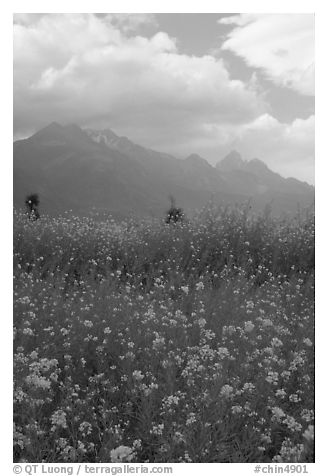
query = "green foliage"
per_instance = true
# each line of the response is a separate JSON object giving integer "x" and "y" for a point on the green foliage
{"x": 143, "y": 342}
{"x": 174, "y": 214}
{"x": 32, "y": 202}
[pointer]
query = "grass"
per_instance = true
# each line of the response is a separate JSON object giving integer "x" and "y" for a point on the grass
{"x": 148, "y": 342}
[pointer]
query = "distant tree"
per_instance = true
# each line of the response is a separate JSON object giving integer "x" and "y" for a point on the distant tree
{"x": 174, "y": 213}
{"x": 32, "y": 202}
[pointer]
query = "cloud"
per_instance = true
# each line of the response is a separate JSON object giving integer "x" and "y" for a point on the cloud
{"x": 287, "y": 148}
{"x": 27, "y": 18}
{"x": 281, "y": 45}
{"x": 132, "y": 22}
{"x": 83, "y": 68}
{"x": 94, "y": 70}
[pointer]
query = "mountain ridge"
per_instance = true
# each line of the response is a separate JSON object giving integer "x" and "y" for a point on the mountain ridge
{"x": 83, "y": 169}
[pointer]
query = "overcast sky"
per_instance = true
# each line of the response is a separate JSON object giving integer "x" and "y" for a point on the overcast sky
{"x": 180, "y": 83}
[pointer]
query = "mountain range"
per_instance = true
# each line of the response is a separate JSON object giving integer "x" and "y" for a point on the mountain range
{"x": 86, "y": 171}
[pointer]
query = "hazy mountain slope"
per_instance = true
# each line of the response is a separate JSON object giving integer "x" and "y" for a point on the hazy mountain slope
{"x": 70, "y": 171}
{"x": 194, "y": 172}
{"x": 84, "y": 170}
{"x": 255, "y": 173}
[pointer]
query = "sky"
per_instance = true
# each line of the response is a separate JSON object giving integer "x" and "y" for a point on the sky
{"x": 202, "y": 83}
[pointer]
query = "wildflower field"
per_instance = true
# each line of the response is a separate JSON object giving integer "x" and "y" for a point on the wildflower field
{"x": 149, "y": 342}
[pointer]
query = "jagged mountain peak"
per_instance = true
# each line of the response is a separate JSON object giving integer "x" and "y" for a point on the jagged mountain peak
{"x": 73, "y": 128}
{"x": 257, "y": 165}
{"x": 196, "y": 159}
{"x": 110, "y": 139}
{"x": 102, "y": 132}
{"x": 231, "y": 161}
{"x": 70, "y": 135}
{"x": 52, "y": 126}
{"x": 51, "y": 129}
{"x": 74, "y": 168}
{"x": 54, "y": 130}
{"x": 233, "y": 155}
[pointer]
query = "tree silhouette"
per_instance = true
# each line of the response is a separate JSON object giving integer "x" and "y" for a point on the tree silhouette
{"x": 32, "y": 202}
{"x": 174, "y": 214}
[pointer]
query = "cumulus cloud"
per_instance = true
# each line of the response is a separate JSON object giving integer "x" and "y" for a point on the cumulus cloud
{"x": 287, "y": 148}
{"x": 80, "y": 67}
{"x": 95, "y": 70}
{"x": 132, "y": 22}
{"x": 282, "y": 45}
